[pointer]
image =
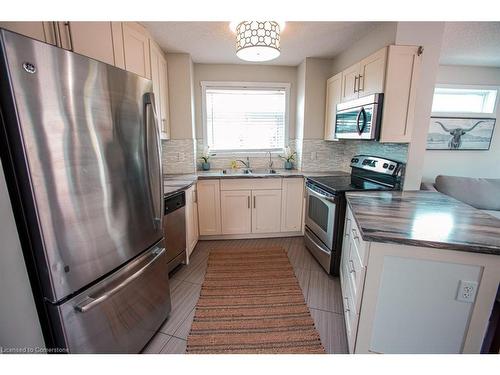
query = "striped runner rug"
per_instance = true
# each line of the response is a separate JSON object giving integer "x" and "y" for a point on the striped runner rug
{"x": 251, "y": 302}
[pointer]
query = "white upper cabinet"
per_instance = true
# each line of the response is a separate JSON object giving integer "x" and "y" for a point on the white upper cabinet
{"x": 403, "y": 68}
{"x": 292, "y": 197}
{"x": 350, "y": 83}
{"x": 393, "y": 71}
{"x": 160, "y": 88}
{"x": 372, "y": 73}
{"x": 136, "y": 49}
{"x": 92, "y": 39}
{"x": 44, "y": 31}
{"x": 333, "y": 97}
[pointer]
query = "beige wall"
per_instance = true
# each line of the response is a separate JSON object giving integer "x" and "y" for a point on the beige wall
{"x": 466, "y": 163}
{"x": 383, "y": 35}
{"x": 180, "y": 86}
{"x": 244, "y": 73}
{"x": 317, "y": 71}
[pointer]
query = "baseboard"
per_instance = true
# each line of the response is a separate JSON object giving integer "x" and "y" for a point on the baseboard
{"x": 250, "y": 236}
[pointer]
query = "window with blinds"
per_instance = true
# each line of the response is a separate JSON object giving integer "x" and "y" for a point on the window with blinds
{"x": 245, "y": 118}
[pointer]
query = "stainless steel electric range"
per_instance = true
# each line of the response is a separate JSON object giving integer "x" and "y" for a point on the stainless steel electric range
{"x": 325, "y": 204}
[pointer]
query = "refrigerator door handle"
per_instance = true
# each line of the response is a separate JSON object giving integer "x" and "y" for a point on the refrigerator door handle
{"x": 92, "y": 301}
{"x": 149, "y": 102}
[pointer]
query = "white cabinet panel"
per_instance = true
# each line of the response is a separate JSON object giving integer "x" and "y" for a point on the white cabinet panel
{"x": 92, "y": 39}
{"x": 403, "y": 67}
{"x": 164, "y": 102}
{"x": 266, "y": 211}
{"x": 417, "y": 311}
{"x": 236, "y": 212}
{"x": 372, "y": 73}
{"x": 333, "y": 97}
{"x": 44, "y": 31}
{"x": 136, "y": 49}
{"x": 350, "y": 83}
{"x": 209, "y": 207}
{"x": 191, "y": 220}
{"x": 292, "y": 199}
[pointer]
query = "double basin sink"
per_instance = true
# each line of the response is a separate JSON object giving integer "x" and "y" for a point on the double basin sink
{"x": 246, "y": 171}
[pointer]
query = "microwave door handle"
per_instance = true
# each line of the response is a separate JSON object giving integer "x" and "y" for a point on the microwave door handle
{"x": 357, "y": 121}
{"x": 360, "y": 130}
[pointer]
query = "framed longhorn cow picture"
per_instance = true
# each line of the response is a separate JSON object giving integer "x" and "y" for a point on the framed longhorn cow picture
{"x": 460, "y": 133}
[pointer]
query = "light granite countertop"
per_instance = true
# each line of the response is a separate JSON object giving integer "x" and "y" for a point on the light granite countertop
{"x": 173, "y": 183}
{"x": 424, "y": 218}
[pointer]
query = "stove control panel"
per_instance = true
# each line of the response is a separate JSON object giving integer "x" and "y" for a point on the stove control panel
{"x": 376, "y": 164}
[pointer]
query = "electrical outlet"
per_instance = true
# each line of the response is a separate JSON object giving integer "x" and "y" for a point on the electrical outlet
{"x": 467, "y": 291}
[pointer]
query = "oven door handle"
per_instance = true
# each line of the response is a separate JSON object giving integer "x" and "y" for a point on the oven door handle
{"x": 320, "y": 196}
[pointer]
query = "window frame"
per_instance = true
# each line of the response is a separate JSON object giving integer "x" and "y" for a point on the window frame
{"x": 466, "y": 87}
{"x": 242, "y": 85}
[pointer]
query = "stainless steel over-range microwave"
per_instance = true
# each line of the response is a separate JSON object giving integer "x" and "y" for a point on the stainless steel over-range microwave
{"x": 359, "y": 118}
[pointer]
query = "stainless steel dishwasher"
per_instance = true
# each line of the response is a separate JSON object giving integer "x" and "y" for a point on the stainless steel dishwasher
{"x": 174, "y": 227}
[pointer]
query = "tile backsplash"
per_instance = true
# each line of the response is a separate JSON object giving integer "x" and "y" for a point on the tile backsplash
{"x": 182, "y": 155}
{"x": 318, "y": 155}
{"x": 178, "y": 156}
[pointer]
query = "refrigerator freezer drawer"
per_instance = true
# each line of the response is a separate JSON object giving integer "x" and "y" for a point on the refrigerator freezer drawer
{"x": 121, "y": 313}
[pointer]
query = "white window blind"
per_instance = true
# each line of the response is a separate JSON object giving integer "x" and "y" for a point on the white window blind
{"x": 463, "y": 100}
{"x": 245, "y": 119}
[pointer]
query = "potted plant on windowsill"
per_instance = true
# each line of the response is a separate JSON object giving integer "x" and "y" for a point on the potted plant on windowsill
{"x": 205, "y": 158}
{"x": 289, "y": 158}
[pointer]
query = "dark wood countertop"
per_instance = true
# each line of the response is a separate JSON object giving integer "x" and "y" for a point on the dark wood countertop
{"x": 424, "y": 218}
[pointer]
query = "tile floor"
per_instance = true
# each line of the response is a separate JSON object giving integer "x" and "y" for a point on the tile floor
{"x": 321, "y": 292}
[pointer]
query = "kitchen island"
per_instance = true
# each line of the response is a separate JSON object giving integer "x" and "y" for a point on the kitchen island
{"x": 419, "y": 273}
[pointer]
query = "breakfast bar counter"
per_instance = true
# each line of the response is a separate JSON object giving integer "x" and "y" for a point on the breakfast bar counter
{"x": 424, "y": 218}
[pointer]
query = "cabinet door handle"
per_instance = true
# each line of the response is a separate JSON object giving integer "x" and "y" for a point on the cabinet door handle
{"x": 355, "y": 80}
{"x": 351, "y": 269}
{"x": 248, "y": 201}
{"x": 359, "y": 83}
{"x": 70, "y": 37}
{"x": 347, "y": 304}
{"x": 354, "y": 234}
{"x": 254, "y": 205}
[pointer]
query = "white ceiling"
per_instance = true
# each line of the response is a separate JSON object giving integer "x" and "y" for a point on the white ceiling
{"x": 214, "y": 42}
{"x": 471, "y": 43}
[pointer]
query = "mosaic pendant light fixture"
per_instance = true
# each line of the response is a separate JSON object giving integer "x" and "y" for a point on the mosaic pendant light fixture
{"x": 258, "y": 40}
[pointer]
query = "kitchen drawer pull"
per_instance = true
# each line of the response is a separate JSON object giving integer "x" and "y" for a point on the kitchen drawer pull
{"x": 347, "y": 305}
{"x": 351, "y": 270}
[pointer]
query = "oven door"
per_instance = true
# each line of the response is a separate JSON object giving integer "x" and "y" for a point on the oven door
{"x": 320, "y": 216}
{"x": 357, "y": 123}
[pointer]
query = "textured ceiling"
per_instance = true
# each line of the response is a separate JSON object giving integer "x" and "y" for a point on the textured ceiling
{"x": 214, "y": 42}
{"x": 471, "y": 43}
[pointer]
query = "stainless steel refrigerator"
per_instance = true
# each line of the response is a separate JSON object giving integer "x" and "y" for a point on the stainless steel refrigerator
{"x": 81, "y": 151}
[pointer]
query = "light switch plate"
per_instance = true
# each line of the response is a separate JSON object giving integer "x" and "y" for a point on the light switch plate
{"x": 467, "y": 291}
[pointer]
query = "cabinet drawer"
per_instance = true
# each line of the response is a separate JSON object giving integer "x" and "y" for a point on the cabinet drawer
{"x": 350, "y": 316}
{"x": 354, "y": 276}
{"x": 360, "y": 246}
{"x": 250, "y": 183}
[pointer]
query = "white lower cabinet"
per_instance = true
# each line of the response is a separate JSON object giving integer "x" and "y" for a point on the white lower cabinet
{"x": 235, "y": 211}
{"x": 250, "y": 206}
{"x": 209, "y": 207}
{"x": 292, "y": 199}
{"x": 191, "y": 220}
{"x": 266, "y": 211}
